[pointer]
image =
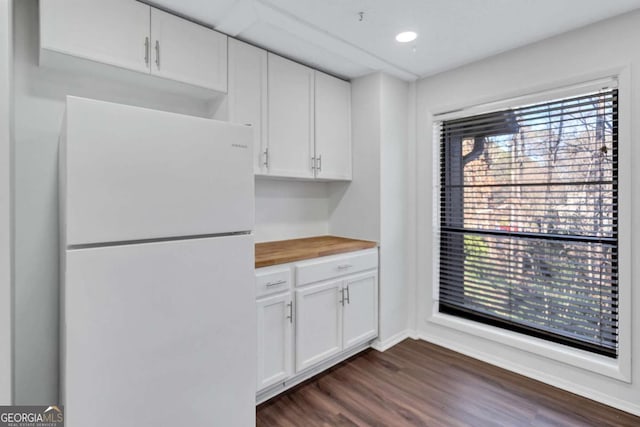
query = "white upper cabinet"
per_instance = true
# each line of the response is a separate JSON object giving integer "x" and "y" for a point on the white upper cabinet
{"x": 113, "y": 32}
{"x": 291, "y": 127}
{"x": 134, "y": 36}
{"x": 187, "y": 52}
{"x": 332, "y": 127}
{"x": 247, "y": 96}
{"x": 309, "y": 121}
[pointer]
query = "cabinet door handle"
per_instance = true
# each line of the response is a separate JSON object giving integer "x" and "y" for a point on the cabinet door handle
{"x": 266, "y": 157}
{"x": 146, "y": 50}
{"x": 342, "y": 296}
{"x": 158, "y": 54}
{"x": 276, "y": 283}
{"x": 344, "y": 266}
{"x": 348, "y": 295}
{"x": 320, "y": 163}
{"x": 313, "y": 164}
{"x": 290, "y": 316}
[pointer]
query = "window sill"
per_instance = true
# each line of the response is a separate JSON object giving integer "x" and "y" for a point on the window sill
{"x": 619, "y": 369}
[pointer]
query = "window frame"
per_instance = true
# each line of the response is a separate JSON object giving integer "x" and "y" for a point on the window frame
{"x": 454, "y": 217}
{"x": 619, "y": 368}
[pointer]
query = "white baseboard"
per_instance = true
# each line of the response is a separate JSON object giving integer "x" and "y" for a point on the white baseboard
{"x": 569, "y": 386}
{"x": 393, "y": 340}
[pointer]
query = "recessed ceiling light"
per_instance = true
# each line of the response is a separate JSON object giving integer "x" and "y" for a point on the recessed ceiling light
{"x": 406, "y": 36}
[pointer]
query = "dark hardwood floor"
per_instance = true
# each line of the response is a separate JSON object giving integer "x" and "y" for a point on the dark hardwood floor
{"x": 420, "y": 384}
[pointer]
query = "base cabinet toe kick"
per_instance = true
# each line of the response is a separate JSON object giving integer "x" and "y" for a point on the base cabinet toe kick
{"x": 312, "y": 315}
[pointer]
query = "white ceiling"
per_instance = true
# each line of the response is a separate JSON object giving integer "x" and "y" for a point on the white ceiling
{"x": 329, "y": 35}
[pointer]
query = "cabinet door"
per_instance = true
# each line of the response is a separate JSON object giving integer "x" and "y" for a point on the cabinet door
{"x": 333, "y": 127}
{"x": 248, "y": 96}
{"x": 275, "y": 317}
{"x": 360, "y": 308}
{"x": 113, "y": 32}
{"x": 188, "y": 52}
{"x": 318, "y": 323}
{"x": 290, "y": 118}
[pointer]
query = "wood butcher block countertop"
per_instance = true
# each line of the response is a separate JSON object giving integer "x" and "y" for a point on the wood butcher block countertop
{"x": 284, "y": 251}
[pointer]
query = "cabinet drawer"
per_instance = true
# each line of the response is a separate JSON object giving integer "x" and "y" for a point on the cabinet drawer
{"x": 270, "y": 280}
{"x": 334, "y": 266}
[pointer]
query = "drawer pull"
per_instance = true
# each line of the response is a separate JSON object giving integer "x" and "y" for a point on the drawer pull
{"x": 279, "y": 282}
{"x": 344, "y": 266}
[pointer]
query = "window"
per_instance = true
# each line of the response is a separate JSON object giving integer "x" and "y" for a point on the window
{"x": 529, "y": 220}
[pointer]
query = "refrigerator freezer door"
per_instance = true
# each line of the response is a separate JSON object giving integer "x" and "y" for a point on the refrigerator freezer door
{"x": 130, "y": 173}
{"x": 161, "y": 334}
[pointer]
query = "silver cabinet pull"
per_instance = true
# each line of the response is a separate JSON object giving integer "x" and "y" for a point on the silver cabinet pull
{"x": 146, "y": 50}
{"x": 348, "y": 295}
{"x": 266, "y": 157}
{"x": 320, "y": 163}
{"x": 342, "y": 296}
{"x": 290, "y": 316}
{"x": 344, "y": 266}
{"x": 276, "y": 283}
{"x": 313, "y": 163}
{"x": 158, "y": 54}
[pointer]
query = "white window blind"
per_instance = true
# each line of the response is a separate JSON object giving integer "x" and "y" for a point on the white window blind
{"x": 528, "y": 224}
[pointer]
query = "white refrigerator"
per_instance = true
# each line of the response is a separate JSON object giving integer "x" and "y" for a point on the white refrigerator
{"x": 158, "y": 321}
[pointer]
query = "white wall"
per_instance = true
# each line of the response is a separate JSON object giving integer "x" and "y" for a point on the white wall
{"x": 394, "y": 291}
{"x": 411, "y": 240}
{"x": 290, "y": 209}
{"x": 39, "y": 105}
{"x": 355, "y": 207}
{"x": 373, "y": 205}
{"x": 6, "y": 124}
{"x": 572, "y": 57}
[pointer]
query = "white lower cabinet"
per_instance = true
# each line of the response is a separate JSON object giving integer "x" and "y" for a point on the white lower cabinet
{"x": 335, "y": 316}
{"x": 275, "y": 339}
{"x": 318, "y": 323}
{"x": 334, "y": 313}
{"x": 360, "y": 314}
